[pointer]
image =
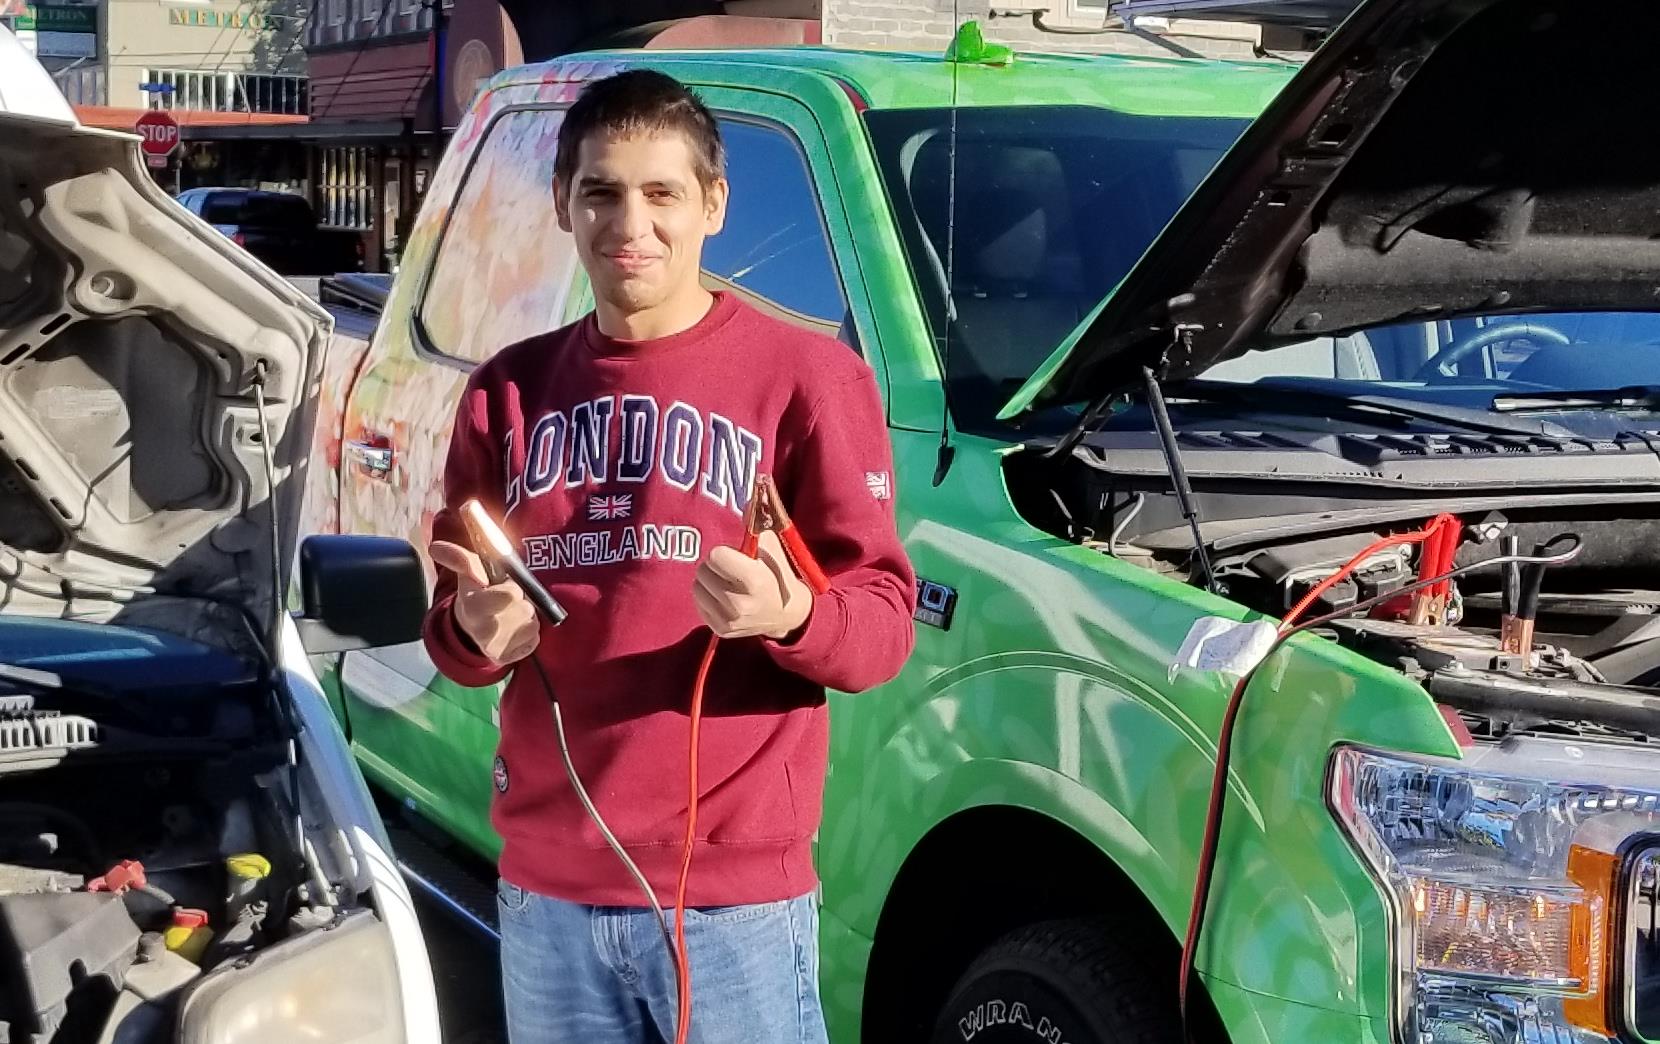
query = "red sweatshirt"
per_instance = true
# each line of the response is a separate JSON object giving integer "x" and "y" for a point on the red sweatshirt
{"x": 617, "y": 467}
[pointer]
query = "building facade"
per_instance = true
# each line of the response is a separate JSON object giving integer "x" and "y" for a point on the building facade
{"x": 1062, "y": 25}
{"x": 222, "y": 68}
{"x": 195, "y": 55}
{"x": 376, "y": 129}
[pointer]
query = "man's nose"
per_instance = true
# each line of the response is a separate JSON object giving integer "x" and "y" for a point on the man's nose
{"x": 634, "y": 216}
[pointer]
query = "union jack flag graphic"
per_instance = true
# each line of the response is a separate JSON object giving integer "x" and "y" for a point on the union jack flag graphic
{"x": 609, "y": 506}
{"x": 880, "y": 486}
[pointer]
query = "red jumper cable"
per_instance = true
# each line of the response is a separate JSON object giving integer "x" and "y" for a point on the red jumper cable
{"x": 1428, "y": 604}
{"x": 766, "y": 511}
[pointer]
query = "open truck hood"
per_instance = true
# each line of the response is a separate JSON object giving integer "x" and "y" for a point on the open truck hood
{"x": 133, "y": 478}
{"x": 1435, "y": 158}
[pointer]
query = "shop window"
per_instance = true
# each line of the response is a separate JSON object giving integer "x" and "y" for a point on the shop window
{"x": 346, "y": 189}
{"x": 226, "y": 91}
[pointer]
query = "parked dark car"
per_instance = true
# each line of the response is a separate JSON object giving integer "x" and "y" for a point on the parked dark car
{"x": 279, "y": 228}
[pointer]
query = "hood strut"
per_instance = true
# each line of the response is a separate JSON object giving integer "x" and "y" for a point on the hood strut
{"x": 1178, "y": 473}
{"x": 1180, "y": 346}
{"x": 273, "y": 626}
{"x": 273, "y": 632}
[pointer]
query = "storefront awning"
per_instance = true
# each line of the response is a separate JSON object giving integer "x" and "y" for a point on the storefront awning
{"x": 192, "y": 123}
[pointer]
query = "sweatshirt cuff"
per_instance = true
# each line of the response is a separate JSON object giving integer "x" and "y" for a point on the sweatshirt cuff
{"x": 817, "y": 643}
{"x": 454, "y": 653}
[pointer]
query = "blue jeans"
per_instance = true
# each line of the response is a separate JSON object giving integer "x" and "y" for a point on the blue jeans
{"x": 601, "y": 974}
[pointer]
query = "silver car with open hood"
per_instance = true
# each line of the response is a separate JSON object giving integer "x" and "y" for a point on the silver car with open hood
{"x": 187, "y": 851}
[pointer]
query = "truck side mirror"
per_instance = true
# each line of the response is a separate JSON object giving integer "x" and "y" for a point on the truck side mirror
{"x": 359, "y": 592}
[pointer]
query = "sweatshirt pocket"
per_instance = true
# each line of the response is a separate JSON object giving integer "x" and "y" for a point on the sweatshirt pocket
{"x": 758, "y": 808}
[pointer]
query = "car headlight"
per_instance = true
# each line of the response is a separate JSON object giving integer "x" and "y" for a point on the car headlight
{"x": 1516, "y": 896}
{"x": 337, "y": 983}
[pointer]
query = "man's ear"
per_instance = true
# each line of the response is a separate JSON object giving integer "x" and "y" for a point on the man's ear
{"x": 714, "y": 206}
{"x": 562, "y": 203}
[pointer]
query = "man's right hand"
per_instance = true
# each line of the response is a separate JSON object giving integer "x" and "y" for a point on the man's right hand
{"x": 497, "y": 617}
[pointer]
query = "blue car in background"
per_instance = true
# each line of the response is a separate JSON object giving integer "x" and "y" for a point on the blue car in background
{"x": 279, "y": 228}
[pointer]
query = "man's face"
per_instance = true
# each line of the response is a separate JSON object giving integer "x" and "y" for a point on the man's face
{"x": 639, "y": 216}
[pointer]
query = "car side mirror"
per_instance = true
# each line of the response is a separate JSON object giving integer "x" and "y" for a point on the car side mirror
{"x": 359, "y": 592}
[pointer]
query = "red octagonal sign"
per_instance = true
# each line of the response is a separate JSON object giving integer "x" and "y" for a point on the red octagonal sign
{"x": 161, "y": 136}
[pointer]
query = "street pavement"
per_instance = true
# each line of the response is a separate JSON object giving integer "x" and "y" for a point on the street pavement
{"x": 468, "y": 975}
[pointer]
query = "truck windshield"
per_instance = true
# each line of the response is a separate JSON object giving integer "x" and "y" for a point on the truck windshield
{"x": 1054, "y": 204}
{"x": 1467, "y": 361}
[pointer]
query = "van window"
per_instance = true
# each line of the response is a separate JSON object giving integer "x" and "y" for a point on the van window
{"x": 504, "y": 267}
{"x": 774, "y": 251}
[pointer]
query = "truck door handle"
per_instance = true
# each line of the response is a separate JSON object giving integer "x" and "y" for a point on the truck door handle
{"x": 374, "y": 455}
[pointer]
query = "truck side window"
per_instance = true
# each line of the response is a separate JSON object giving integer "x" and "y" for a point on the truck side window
{"x": 503, "y": 267}
{"x": 774, "y": 251}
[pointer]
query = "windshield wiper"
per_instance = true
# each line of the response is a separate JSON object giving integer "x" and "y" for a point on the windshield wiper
{"x": 1269, "y": 398}
{"x": 1636, "y": 397}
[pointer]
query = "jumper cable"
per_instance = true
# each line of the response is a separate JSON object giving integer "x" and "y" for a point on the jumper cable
{"x": 1440, "y": 549}
{"x": 765, "y": 511}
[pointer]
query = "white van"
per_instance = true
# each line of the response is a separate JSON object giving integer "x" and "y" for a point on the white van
{"x": 187, "y": 849}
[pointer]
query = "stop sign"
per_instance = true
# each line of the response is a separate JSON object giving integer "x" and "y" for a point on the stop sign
{"x": 161, "y": 136}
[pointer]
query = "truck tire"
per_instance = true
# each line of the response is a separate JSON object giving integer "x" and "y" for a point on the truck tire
{"x": 1062, "y": 982}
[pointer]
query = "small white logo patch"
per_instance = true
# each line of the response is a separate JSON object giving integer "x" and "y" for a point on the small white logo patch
{"x": 501, "y": 774}
{"x": 879, "y": 484}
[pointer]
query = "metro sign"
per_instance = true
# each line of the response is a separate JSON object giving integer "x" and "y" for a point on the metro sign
{"x": 161, "y": 136}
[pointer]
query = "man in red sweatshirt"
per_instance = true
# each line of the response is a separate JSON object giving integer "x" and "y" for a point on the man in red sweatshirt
{"x": 621, "y": 453}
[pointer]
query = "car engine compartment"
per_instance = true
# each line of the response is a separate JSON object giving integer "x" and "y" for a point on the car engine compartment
{"x": 1592, "y": 658}
{"x": 146, "y": 839}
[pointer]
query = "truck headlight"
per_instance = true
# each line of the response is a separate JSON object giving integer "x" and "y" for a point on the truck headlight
{"x": 338, "y": 983}
{"x": 1508, "y": 886}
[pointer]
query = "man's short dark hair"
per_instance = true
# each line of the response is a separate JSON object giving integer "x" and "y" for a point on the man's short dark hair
{"x": 641, "y": 101}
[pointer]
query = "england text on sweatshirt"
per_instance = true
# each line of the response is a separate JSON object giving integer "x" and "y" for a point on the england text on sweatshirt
{"x": 616, "y": 467}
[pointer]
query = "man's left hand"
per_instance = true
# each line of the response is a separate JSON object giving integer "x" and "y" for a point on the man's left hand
{"x": 740, "y": 597}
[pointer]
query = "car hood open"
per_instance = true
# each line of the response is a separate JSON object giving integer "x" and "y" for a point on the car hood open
{"x": 1435, "y": 158}
{"x": 133, "y": 476}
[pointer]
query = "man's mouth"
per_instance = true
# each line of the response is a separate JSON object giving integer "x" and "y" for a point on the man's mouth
{"x": 632, "y": 262}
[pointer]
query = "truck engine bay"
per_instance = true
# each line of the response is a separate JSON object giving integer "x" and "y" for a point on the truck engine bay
{"x": 147, "y": 839}
{"x": 1586, "y": 659}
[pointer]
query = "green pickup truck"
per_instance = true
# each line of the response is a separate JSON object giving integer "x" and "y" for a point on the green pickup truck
{"x": 1168, "y": 347}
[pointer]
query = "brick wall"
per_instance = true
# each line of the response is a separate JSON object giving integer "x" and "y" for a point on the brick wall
{"x": 927, "y": 25}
